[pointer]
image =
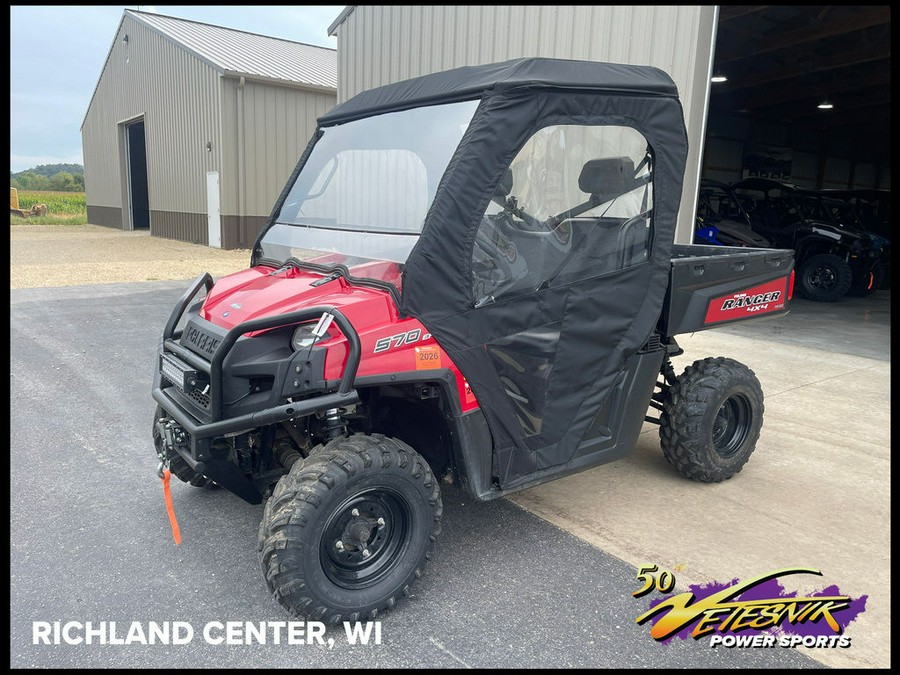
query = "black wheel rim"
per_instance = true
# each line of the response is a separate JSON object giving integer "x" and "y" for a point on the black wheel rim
{"x": 731, "y": 425}
{"x": 822, "y": 278}
{"x": 365, "y": 538}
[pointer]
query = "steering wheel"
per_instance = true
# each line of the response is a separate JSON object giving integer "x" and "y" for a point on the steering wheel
{"x": 496, "y": 262}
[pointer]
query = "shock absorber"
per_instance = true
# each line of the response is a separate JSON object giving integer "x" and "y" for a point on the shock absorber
{"x": 333, "y": 424}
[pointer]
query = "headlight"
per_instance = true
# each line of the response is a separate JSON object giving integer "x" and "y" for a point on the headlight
{"x": 303, "y": 336}
{"x": 306, "y": 334}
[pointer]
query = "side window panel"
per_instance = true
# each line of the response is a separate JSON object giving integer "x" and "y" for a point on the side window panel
{"x": 576, "y": 203}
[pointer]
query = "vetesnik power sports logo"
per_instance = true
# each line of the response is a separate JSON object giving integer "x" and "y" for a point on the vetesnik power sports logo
{"x": 758, "y": 612}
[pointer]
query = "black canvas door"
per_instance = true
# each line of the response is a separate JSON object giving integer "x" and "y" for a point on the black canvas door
{"x": 565, "y": 239}
{"x": 556, "y": 277}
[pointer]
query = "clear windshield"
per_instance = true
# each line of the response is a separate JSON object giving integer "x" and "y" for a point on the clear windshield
{"x": 362, "y": 195}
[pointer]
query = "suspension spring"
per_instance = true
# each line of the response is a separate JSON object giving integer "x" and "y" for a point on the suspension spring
{"x": 334, "y": 425}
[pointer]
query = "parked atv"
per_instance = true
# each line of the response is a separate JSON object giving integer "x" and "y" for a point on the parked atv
{"x": 830, "y": 258}
{"x": 721, "y": 220}
{"x": 469, "y": 277}
{"x": 846, "y": 208}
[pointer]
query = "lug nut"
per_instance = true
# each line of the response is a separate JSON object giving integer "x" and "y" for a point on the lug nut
{"x": 381, "y": 522}
{"x": 339, "y": 545}
{"x": 354, "y": 513}
{"x": 366, "y": 553}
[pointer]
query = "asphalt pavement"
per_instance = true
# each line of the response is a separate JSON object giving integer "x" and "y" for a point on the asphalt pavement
{"x": 90, "y": 540}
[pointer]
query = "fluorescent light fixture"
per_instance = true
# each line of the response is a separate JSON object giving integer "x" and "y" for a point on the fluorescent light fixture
{"x": 718, "y": 77}
{"x": 825, "y": 105}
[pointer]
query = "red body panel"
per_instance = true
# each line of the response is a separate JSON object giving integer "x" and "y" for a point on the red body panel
{"x": 390, "y": 344}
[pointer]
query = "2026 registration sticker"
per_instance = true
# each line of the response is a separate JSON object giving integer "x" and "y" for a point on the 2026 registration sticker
{"x": 428, "y": 357}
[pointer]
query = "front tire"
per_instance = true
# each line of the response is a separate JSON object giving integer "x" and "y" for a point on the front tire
{"x": 711, "y": 419}
{"x": 348, "y": 529}
{"x": 868, "y": 283}
{"x": 825, "y": 278}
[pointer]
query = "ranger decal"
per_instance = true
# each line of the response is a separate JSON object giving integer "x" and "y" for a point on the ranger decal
{"x": 762, "y": 299}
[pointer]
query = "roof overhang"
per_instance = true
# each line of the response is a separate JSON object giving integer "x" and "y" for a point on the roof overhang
{"x": 347, "y": 11}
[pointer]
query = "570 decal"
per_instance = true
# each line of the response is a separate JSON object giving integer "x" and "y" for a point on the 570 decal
{"x": 394, "y": 341}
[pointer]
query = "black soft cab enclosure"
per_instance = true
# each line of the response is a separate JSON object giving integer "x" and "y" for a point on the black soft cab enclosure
{"x": 546, "y": 257}
{"x": 513, "y": 222}
{"x": 544, "y": 260}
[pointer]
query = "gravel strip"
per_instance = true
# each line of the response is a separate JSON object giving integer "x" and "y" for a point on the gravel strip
{"x": 43, "y": 256}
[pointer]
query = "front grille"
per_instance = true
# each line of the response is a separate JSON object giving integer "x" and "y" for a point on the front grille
{"x": 199, "y": 398}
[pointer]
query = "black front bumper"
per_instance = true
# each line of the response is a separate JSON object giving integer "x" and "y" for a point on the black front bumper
{"x": 197, "y": 452}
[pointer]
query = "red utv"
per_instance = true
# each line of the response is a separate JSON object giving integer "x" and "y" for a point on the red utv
{"x": 469, "y": 277}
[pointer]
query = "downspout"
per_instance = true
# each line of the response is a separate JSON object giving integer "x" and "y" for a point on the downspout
{"x": 241, "y": 196}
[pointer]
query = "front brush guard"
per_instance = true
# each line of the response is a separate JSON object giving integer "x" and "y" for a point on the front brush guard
{"x": 197, "y": 453}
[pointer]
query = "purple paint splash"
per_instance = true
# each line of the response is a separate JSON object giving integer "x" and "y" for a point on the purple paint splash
{"x": 770, "y": 589}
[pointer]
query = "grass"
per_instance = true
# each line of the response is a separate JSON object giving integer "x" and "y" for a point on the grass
{"x": 63, "y": 208}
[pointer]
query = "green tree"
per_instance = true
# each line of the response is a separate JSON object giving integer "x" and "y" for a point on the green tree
{"x": 63, "y": 182}
{"x": 32, "y": 181}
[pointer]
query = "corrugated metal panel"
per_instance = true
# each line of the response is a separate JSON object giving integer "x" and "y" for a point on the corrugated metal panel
{"x": 248, "y": 53}
{"x": 382, "y": 44}
{"x": 265, "y": 129}
{"x": 189, "y": 227}
{"x": 107, "y": 216}
{"x": 804, "y": 168}
{"x": 177, "y": 96}
{"x": 837, "y": 173}
{"x": 864, "y": 175}
{"x": 723, "y": 160}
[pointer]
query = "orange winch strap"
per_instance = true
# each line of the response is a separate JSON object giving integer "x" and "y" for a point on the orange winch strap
{"x": 176, "y": 533}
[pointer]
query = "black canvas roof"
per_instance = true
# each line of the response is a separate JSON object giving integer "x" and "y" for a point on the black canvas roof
{"x": 471, "y": 81}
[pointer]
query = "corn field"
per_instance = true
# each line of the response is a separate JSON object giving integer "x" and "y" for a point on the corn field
{"x": 63, "y": 208}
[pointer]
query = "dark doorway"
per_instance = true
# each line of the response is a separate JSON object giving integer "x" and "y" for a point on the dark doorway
{"x": 137, "y": 176}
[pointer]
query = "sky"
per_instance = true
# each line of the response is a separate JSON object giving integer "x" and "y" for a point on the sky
{"x": 57, "y": 54}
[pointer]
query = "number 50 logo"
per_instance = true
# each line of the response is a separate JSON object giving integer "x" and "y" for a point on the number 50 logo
{"x": 654, "y": 578}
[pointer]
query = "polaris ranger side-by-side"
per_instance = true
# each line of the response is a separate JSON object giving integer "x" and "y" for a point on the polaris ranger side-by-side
{"x": 470, "y": 277}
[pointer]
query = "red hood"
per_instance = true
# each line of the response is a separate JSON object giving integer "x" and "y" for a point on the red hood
{"x": 389, "y": 344}
{"x": 256, "y": 292}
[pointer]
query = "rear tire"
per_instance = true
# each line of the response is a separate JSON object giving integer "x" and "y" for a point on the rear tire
{"x": 711, "y": 419}
{"x": 348, "y": 529}
{"x": 824, "y": 278}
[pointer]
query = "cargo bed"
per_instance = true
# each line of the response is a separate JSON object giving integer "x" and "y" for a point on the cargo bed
{"x": 711, "y": 286}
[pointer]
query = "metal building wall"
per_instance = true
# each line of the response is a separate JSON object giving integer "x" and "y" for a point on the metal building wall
{"x": 178, "y": 96}
{"x": 382, "y": 44}
{"x": 266, "y": 127}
